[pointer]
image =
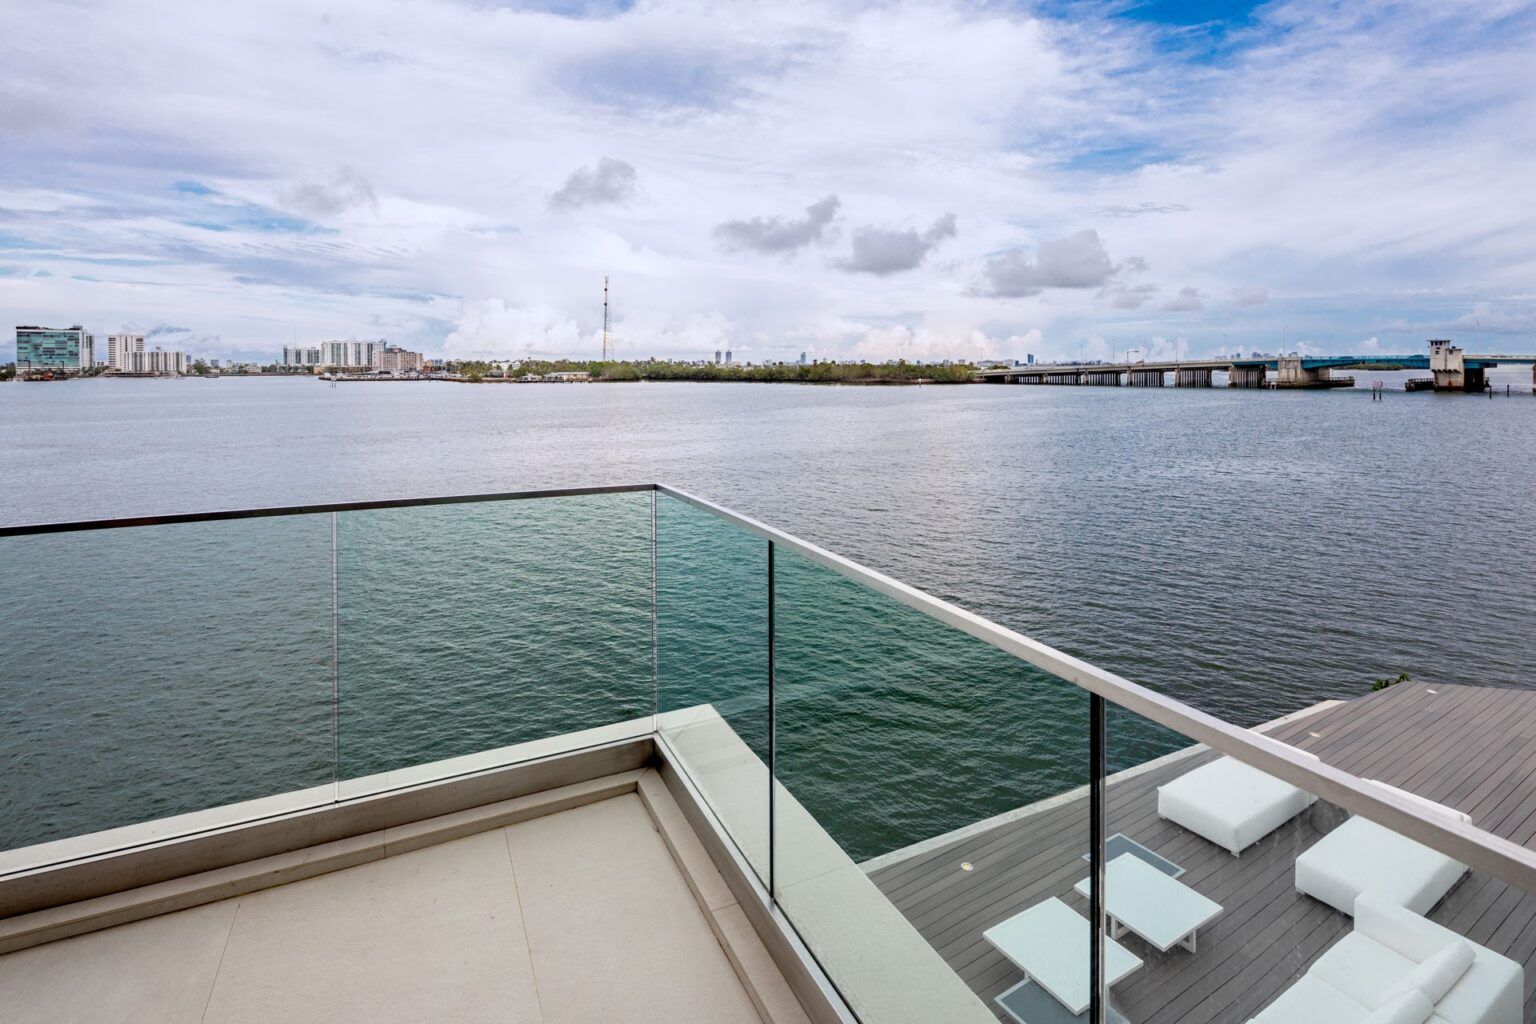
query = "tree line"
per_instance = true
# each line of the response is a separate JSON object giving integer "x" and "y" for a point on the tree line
{"x": 900, "y": 372}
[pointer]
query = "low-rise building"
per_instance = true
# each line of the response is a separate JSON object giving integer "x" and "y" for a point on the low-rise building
{"x": 397, "y": 360}
{"x": 157, "y": 361}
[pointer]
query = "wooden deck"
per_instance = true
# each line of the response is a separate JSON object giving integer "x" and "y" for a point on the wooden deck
{"x": 1472, "y": 748}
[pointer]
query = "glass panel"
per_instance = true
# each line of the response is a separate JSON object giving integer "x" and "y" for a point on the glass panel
{"x": 712, "y": 658}
{"x": 469, "y": 631}
{"x": 163, "y": 670}
{"x": 932, "y": 818}
{"x": 1255, "y": 899}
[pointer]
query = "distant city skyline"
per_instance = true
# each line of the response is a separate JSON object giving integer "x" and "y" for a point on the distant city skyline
{"x": 920, "y": 181}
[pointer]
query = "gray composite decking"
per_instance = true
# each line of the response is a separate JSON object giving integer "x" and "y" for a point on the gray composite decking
{"x": 1473, "y": 748}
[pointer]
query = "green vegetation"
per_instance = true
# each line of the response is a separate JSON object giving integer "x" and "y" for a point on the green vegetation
{"x": 477, "y": 370}
{"x": 200, "y": 368}
{"x": 7, "y": 371}
{"x": 1382, "y": 684}
{"x": 901, "y": 372}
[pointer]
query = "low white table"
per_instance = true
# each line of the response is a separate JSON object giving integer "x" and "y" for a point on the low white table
{"x": 1049, "y": 943}
{"x": 1162, "y": 910}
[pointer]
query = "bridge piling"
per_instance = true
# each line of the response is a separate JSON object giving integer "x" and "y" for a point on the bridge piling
{"x": 1246, "y": 376}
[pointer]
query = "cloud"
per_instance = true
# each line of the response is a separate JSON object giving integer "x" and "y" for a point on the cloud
{"x": 1187, "y": 301}
{"x": 885, "y": 251}
{"x": 1077, "y": 260}
{"x": 608, "y": 181}
{"x": 1250, "y": 297}
{"x": 345, "y": 190}
{"x": 779, "y": 234}
{"x": 459, "y": 120}
{"x": 899, "y": 341}
{"x": 491, "y": 329}
{"x": 1133, "y": 297}
{"x": 1140, "y": 209}
{"x": 1163, "y": 350}
{"x": 161, "y": 329}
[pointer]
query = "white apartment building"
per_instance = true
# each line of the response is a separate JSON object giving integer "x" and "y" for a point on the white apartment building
{"x": 301, "y": 356}
{"x": 120, "y": 347}
{"x": 350, "y": 353}
{"x": 157, "y": 361}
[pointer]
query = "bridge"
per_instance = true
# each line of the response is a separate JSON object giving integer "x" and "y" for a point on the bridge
{"x": 1452, "y": 370}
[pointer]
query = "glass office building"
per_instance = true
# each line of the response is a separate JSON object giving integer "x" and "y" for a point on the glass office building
{"x": 49, "y": 348}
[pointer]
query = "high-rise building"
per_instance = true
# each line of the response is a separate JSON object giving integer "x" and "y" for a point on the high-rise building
{"x": 1029, "y": 357}
{"x": 350, "y": 353}
{"x": 802, "y": 358}
{"x": 70, "y": 349}
{"x": 727, "y": 357}
{"x": 120, "y": 347}
{"x": 301, "y": 356}
{"x": 717, "y": 357}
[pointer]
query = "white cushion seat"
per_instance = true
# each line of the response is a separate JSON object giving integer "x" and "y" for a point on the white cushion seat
{"x": 1399, "y": 968}
{"x": 1312, "y": 1001}
{"x": 1230, "y": 803}
{"x": 1361, "y": 855}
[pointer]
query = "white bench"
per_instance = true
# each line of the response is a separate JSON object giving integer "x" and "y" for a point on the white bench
{"x": 1399, "y": 967}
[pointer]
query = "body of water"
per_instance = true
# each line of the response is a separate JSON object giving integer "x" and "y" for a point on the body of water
{"x": 1250, "y": 553}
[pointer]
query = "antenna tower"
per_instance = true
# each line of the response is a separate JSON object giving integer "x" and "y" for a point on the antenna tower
{"x": 607, "y": 345}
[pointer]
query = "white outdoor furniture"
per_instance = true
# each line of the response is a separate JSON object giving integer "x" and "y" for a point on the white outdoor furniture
{"x": 1230, "y": 803}
{"x": 1049, "y": 943}
{"x": 1361, "y": 855}
{"x": 1401, "y": 968}
{"x": 1162, "y": 910}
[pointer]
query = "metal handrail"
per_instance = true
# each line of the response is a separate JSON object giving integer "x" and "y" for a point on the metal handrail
{"x": 33, "y": 529}
{"x": 1502, "y": 858}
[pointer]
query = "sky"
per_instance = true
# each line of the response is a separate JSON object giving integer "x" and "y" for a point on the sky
{"x": 897, "y": 180}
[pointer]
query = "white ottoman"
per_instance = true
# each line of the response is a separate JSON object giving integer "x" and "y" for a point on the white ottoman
{"x": 1361, "y": 856}
{"x": 1230, "y": 803}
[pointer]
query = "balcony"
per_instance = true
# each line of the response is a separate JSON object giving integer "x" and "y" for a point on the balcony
{"x": 621, "y": 754}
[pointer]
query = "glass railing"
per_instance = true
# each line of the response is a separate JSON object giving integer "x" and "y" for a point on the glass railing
{"x": 156, "y": 671}
{"x": 901, "y": 741}
{"x": 937, "y": 807}
{"x": 465, "y": 631}
{"x": 944, "y": 806}
{"x": 167, "y": 678}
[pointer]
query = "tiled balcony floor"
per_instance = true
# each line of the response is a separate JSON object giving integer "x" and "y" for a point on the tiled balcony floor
{"x": 578, "y": 916}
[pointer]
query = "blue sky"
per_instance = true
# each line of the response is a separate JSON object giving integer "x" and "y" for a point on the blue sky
{"x": 924, "y": 180}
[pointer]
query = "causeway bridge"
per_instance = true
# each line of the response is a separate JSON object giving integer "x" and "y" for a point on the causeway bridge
{"x": 1451, "y": 369}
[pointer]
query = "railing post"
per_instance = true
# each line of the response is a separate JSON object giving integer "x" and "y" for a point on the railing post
{"x": 655, "y": 639}
{"x": 335, "y": 669}
{"x": 773, "y": 732}
{"x": 1096, "y": 858}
